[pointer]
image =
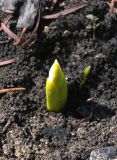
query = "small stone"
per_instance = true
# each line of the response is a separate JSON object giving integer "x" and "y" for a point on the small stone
{"x": 107, "y": 153}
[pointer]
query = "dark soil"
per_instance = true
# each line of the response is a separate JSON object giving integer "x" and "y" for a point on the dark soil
{"x": 27, "y": 130}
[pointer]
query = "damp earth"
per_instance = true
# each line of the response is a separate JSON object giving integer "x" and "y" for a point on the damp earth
{"x": 89, "y": 122}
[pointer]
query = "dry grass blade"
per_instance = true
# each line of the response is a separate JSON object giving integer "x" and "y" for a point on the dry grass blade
{"x": 65, "y": 12}
{"x": 7, "y": 62}
{"x": 10, "y": 33}
{"x": 5, "y": 90}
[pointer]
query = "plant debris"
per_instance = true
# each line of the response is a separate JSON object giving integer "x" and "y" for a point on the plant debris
{"x": 5, "y": 90}
{"x": 65, "y": 12}
{"x": 112, "y": 6}
{"x": 7, "y": 62}
{"x": 10, "y": 33}
{"x": 30, "y": 11}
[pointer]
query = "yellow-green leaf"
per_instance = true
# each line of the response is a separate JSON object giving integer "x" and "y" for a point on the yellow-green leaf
{"x": 56, "y": 89}
{"x": 85, "y": 75}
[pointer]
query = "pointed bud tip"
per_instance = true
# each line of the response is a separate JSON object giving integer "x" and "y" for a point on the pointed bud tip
{"x": 52, "y": 71}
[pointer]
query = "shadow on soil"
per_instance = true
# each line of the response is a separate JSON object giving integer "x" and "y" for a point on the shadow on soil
{"x": 80, "y": 107}
{"x": 91, "y": 110}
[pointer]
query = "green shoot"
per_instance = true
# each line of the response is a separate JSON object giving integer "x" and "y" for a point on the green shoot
{"x": 56, "y": 89}
{"x": 93, "y": 24}
{"x": 85, "y": 76}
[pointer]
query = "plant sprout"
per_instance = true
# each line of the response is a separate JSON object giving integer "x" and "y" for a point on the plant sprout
{"x": 92, "y": 17}
{"x": 85, "y": 76}
{"x": 93, "y": 24}
{"x": 56, "y": 89}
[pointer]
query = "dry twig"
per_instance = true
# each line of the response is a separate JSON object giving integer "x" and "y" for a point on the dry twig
{"x": 10, "y": 33}
{"x": 7, "y": 62}
{"x": 6, "y": 21}
{"x": 112, "y": 6}
{"x": 64, "y": 12}
{"x": 5, "y": 90}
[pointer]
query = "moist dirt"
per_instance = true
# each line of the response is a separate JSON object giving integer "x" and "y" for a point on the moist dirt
{"x": 27, "y": 130}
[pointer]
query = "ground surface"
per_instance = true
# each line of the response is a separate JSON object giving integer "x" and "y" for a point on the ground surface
{"x": 27, "y": 129}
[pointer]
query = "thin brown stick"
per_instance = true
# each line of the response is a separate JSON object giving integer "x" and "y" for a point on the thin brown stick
{"x": 65, "y": 12}
{"x": 115, "y": 10}
{"x": 23, "y": 32}
{"x": 5, "y": 90}
{"x": 112, "y": 5}
{"x": 6, "y": 21}
{"x": 108, "y": 3}
{"x": 83, "y": 120}
{"x": 9, "y": 32}
{"x": 21, "y": 36}
{"x": 7, "y": 62}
